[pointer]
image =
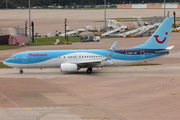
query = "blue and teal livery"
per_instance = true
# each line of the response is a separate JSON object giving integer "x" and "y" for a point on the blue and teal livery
{"x": 73, "y": 60}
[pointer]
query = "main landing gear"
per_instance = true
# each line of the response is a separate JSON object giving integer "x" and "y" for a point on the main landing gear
{"x": 89, "y": 70}
{"x": 21, "y": 72}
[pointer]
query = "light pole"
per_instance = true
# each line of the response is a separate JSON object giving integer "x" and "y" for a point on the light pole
{"x": 164, "y": 9}
{"x": 6, "y": 4}
{"x": 29, "y": 20}
{"x": 105, "y": 14}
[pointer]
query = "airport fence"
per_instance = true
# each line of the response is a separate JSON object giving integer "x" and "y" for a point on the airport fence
{"x": 0, "y": 31}
{"x": 155, "y": 19}
{"x": 12, "y": 31}
{"x": 19, "y": 31}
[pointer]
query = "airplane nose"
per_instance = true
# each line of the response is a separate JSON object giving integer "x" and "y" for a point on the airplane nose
{"x": 4, "y": 62}
{"x": 8, "y": 62}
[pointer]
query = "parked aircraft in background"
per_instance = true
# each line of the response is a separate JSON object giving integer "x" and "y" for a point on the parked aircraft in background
{"x": 73, "y": 60}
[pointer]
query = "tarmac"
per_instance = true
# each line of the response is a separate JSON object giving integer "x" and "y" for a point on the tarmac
{"x": 48, "y": 21}
{"x": 111, "y": 93}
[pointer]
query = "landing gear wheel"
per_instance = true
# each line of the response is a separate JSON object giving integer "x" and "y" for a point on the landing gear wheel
{"x": 89, "y": 70}
{"x": 21, "y": 72}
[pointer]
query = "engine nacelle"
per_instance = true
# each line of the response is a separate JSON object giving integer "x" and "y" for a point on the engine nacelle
{"x": 68, "y": 67}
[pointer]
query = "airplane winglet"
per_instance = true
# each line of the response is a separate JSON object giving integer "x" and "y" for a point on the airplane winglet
{"x": 110, "y": 62}
{"x": 111, "y": 53}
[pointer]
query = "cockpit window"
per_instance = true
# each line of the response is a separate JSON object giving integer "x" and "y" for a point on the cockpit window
{"x": 13, "y": 57}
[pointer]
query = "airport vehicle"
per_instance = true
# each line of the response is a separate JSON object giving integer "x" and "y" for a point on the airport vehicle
{"x": 90, "y": 38}
{"x": 73, "y": 60}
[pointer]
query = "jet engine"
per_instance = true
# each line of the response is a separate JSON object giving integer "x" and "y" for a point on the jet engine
{"x": 68, "y": 67}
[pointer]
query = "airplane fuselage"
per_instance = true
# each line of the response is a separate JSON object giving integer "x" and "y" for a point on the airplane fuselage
{"x": 54, "y": 58}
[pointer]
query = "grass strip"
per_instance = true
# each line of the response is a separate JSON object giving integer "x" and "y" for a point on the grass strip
{"x": 3, "y": 65}
{"x": 52, "y": 40}
{"x": 4, "y": 47}
{"x": 145, "y": 64}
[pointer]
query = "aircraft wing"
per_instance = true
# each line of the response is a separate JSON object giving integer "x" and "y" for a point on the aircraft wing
{"x": 92, "y": 63}
{"x": 166, "y": 50}
{"x": 89, "y": 62}
{"x": 98, "y": 62}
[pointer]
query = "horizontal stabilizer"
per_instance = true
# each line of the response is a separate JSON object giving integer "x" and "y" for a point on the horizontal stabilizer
{"x": 166, "y": 50}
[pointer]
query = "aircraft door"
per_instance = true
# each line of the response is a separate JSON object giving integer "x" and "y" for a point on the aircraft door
{"x": 24, "y": 58}
{"x": 142, "y": 55}
{"x": 77, "y": 57}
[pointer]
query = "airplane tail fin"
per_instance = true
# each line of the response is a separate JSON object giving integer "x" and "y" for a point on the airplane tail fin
{"x": 159, "y": 39}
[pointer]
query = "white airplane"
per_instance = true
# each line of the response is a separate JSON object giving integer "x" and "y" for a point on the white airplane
{"x": 73, "y": 60}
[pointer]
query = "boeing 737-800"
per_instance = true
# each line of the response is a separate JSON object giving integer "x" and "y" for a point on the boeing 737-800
{"x": 73, "y": 60}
